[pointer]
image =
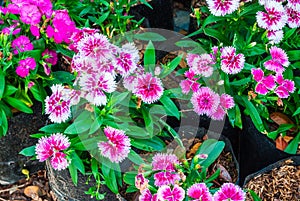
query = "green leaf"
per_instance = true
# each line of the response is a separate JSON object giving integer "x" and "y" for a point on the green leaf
{"x": 255, "y": 117}
{"x": 212, "y": 148}
{"x": 110, "y": 178}
{"x": 29, "y": 151}
{"x": 152, "y": 144}
{"x": 148, "y": 120}
{"x": 254, "y": 195}
{"x": 259, "y": 49}
{"x": 212, "y": 19}
{"x": 3, "y": 123}
{"x": 118, "y": 97}
{"x": 19, "y": 105}
{"x": 81, "y": 124}
{"x": 281, "y": 128}
{"x": 9, "y": 90}
{"x": 73, "y": 172}
{"x": 289, "y": 33}
{"x": 66, "y": 52}
{"x": 38, "y": 92}
{"x": 216, "y": 34}
{"x": 129, "y": 178}
{"x": 62, "y": 77}
{"x": 54, "y": 128}
{"x": 240, "y": 82}
{"x": 2, "y": 83}
{"x": 293, "y": 145}
{"x": 134, "y": 157}
{"x": 171, "y": 66}
{"x": 294, "y": 55}
{"x": 149, "y": 36}
{"x": 94, "y": 167}
{"x": 169, "y": 106}
{"x": 297, "y": 112}
{"x": 77, "y": 162}
{"x": 149, "y": 58}
{"x": 103, "y": 18}
{"x": 36, "y": 54}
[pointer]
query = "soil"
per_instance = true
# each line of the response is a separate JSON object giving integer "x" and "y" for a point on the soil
{"x": 281, "y": 183}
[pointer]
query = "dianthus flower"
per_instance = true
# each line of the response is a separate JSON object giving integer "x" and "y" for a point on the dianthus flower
{"x": 205, "y": 101}
{"x": 222, "y": 7}
{"x": 161, "y": 161}
{"x": 199, "y": 191}
{"x": 51, "y": 56}
{"x": 294, "y": 4}
{"x": 141, "y": 182}
{"x": 231, "y": 62}
{"x": 148, "y": 88}
{"x": 22, "y": 44}
{"x": 127, "y": 59}
{"x": 11, "y": 30}
{"x": 226, "y": 102}
{"x": 189, "y": 83}
{"x": 52, "y": 147}
{"x": 57, "y": 106}
{"x": 275, "y": 36}
{"x": 274, "y": 18}
{"x": 201, "y": 64}
{"x": 167, "y": 194}
{"x": 229, "y": 191}
{"x": 285, "y": 87}
{"x": 25, "y": 66}
{"x": 279, "y": 59}
{"x": 165, "y": 178}
{"x": 30, "y": 14}
{"x": 147, "y": 196}
{"x": 117, "y": 147}
{"x": 293, "y": 19}
{"x": 264, "y": 83}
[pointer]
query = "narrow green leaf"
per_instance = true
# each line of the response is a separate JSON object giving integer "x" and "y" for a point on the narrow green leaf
{"x": 169, "y": 106}
{"x": 19, "y": 105}
{"x": 73, "y": 172}
{"x": 28, "y": 151}
{"x": 149, "y": 58}
{"x": 254, "y": 196}
{"x": 2, "y": 83}
{"x": 153, "y": 144}
{"x": 293, "y": 145}
{"x": 3, "y": 123}
{"x": 110, "y": 178}
{"x": 294, "y": 55}
{"x": 9, "y": 90}
{"x": 171, "y": 66}
{"x": 54, "y": 128}
{"x": 77, "y": 162}
{"x": 240, "y": 82}
{"x": 134, "y": 157}
{"x": 149, "y": 36}
{"x": 103, "y": 18}
{"x": 297, "y": 112}
{"x": 81, "y": 124}
{"x": 129, "y": 177}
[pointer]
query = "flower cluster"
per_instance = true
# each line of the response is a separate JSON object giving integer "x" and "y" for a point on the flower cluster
{"x": 52, "y": 148}
{"x": 276, "y": 65}
{"x": 168, "y": 190}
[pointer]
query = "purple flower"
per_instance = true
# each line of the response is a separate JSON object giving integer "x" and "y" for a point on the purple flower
{"x": 293, "y": 16}
{"x": 165, "y": 178}
{"x": 222, "y": 7}
{"x": 51, "y": 56}
{"x": 279, "y": 59}
{"x": 148, "y": 88}
{"x": 25, "y": 66}
{"x": 57, "y": 106}
{"x": 161, "y": 161}
{"x": 189, "y": 83}
{"x": 205, "y": 101}
{"x": 231, "y": 62}
{"x": 229, "y": 191}
{"x": 167, "y": 194}
{"x": 117, "y": 147}
{"x": 52, "y": 147}
{"x": 199, "y": 191}
{"x": 30, "y": 14}
{"x": 275, "y": 17}
{"x": 22, "y": 44}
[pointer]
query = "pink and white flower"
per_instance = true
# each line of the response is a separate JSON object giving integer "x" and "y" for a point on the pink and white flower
{"x": 231, "y": 62}
{"x": 294, "y": 4}
{"x": 205, "y": 101}
{"x": 165, "y": 178}
{"x": 222, "y": 7}
{"x": 201, "y": 64}
{"x": 127, "y": 59}
{"x": 199, "y": 191}
{"x": 265, "y": 83}
{"x": 226, "y": 101}
{"x": 25, "y": 66}
{"x": 148, "y": 88}
{"x": 141, "y": 182}
{"x": 147, "y": 196}
{"x": 162, "y": 161}
{"x": 285, "y": 87}
{"x": 57, "y": 106}
{"x": 52, "y": 147}
{"x": 293, "y": 16}
{"x": 275, "y": 36}
{"x": 189, "y": 83}
{"x": 274, "y": 18}
{"x": 117, "y": 147}
{"x": 229, "y": 191}
{"x": 167, "y": 194}
{"x": 279, "y": 59}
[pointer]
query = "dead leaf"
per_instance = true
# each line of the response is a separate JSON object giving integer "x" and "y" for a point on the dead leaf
{"x": 193, "y": 150}
{"x": 32, "y": 192}
{"x": 281, "y": 144}
{"x": 288, "y": 138}
{"x": 224, "y": 174}
{"x": 280, "y": 118}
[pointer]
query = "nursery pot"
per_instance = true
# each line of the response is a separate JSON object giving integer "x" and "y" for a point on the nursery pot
{"x": 256, "y": 150}
{"x": 274, "y": 180}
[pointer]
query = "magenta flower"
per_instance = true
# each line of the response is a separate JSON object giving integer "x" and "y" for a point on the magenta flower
{"x": 30, "y": 14}
{"x": 35, "y": 31}
{"x": 279, "y": 59}
{"x": 229, "y": 191}
{"x": 293, "y": 19}
{"x": 226, "y": 101}
{"x": 167, "y": 194}
{"x": 161, "y": 161}
{"x": 45, "y": 6}
{"x": 231, "y": 62}
{"x": 57, "y": 106}
{"x": 199, "y": 191}
{"x": 22, "y": 44}
{"x": 52, "y": 147}
{"x": 11, "y": 30}
{"x": 264, "y": 83}
{"x": 219, "y": 114}
{"x": 222, "y": 7}
{"x": 148, "y": 88}
{"x": 165, "y": 178}
{"x": 189, "y": 83}
{"x": 285, "y": 87}
{"x": 25, "y": 66}
{"x": 205, "y": 101}
{"x": 51, "y": 56}
{"x": 95, "y": 84}
{"x": 117, "y": 147}
{"x": 275, "y": 36}
{"x": 130, "y": 82}
{"x": 275, "y": 17}
{"x": 201, "y": 64}
{"x": 30, "y": 84}
{"x": 147, "y": 196}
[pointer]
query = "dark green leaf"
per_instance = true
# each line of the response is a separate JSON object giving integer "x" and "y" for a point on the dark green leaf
{"x": 102, "y": 18}
{"x": 169, "y": 106}
{"x": 134, "y": 157}
{"x": 149, "y": 58}
{"x": 110, "y": 178}
{"x": 297, "y": 112}
{"x": 55, "y": 128}
{"x": 29, "y": 151}
{"x": 73, "y": 172}
{"x": 294, "y": 55}
{"x": 129, "y": 177}
{"x": 77, "y": 162}
{"x": 171, "y": 66}
{"x": 254, "y": 196}
{"x": 152, "y": 144}
{"x": 240, "y": 82}
{"x": 81, "y": 124}
{"x": 2, "y": 83}
{"x": 62, "y": 77}
{"x": 293, "y": 145}
{"x": 9, "y": 90}
{"x": 3, "y": 123}
{"x": 19, "y": 105}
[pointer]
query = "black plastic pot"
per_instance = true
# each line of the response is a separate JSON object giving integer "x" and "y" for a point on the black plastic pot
{"x": 256, "y": 150}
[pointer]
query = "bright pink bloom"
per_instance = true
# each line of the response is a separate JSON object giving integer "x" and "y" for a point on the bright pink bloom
{"x": 219, "y": 114}
{"x": 51, "y": 56}
{"x": 22, "y": 44}
{"x": 231, "y": 62}
{"x": 30, "y": 84}
{"x": 95, "y": 84}
{"x": 222, "y": 7}
{"x": 167, "y": 194}
{"x": 147, "y": 196}
{"x": 148, "y": 88}
{"x": 11, "y": 30}
{"x": 45, "y": 7}
{"x": 16, "y": 6}
{"x": 264, "y": 83}
{"x": 201, "y": 64}
{"x": 285, "y": 88}
{"x": 78, "y": 35}
{"x": 25, "y": 66}
{"x": 199, "y": 191}
{"x": 229, "y": 191}
{"x": 161, "y": 161}
{"x": 57, "y": 106}
{"x": 35, "y": 30}
{"x": 226, "y": 101}
{"x": 293, "y": 16}
{"x": 117, "y": 147}
{"x": 30, "y": 14}
{"x": 205, "y": 101}
{"x": 189, "y": 83}
{"x": 165, "y": 178}
{"x": 279, "y": 59}
{"x": 275, "y": 36}
{"x": 258, "y": 74}
{"x": 127, "y": 59}
{"x": 275, "y": 17}
{"x": 140, "y": 181}
{"x": 52, "y": 147}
